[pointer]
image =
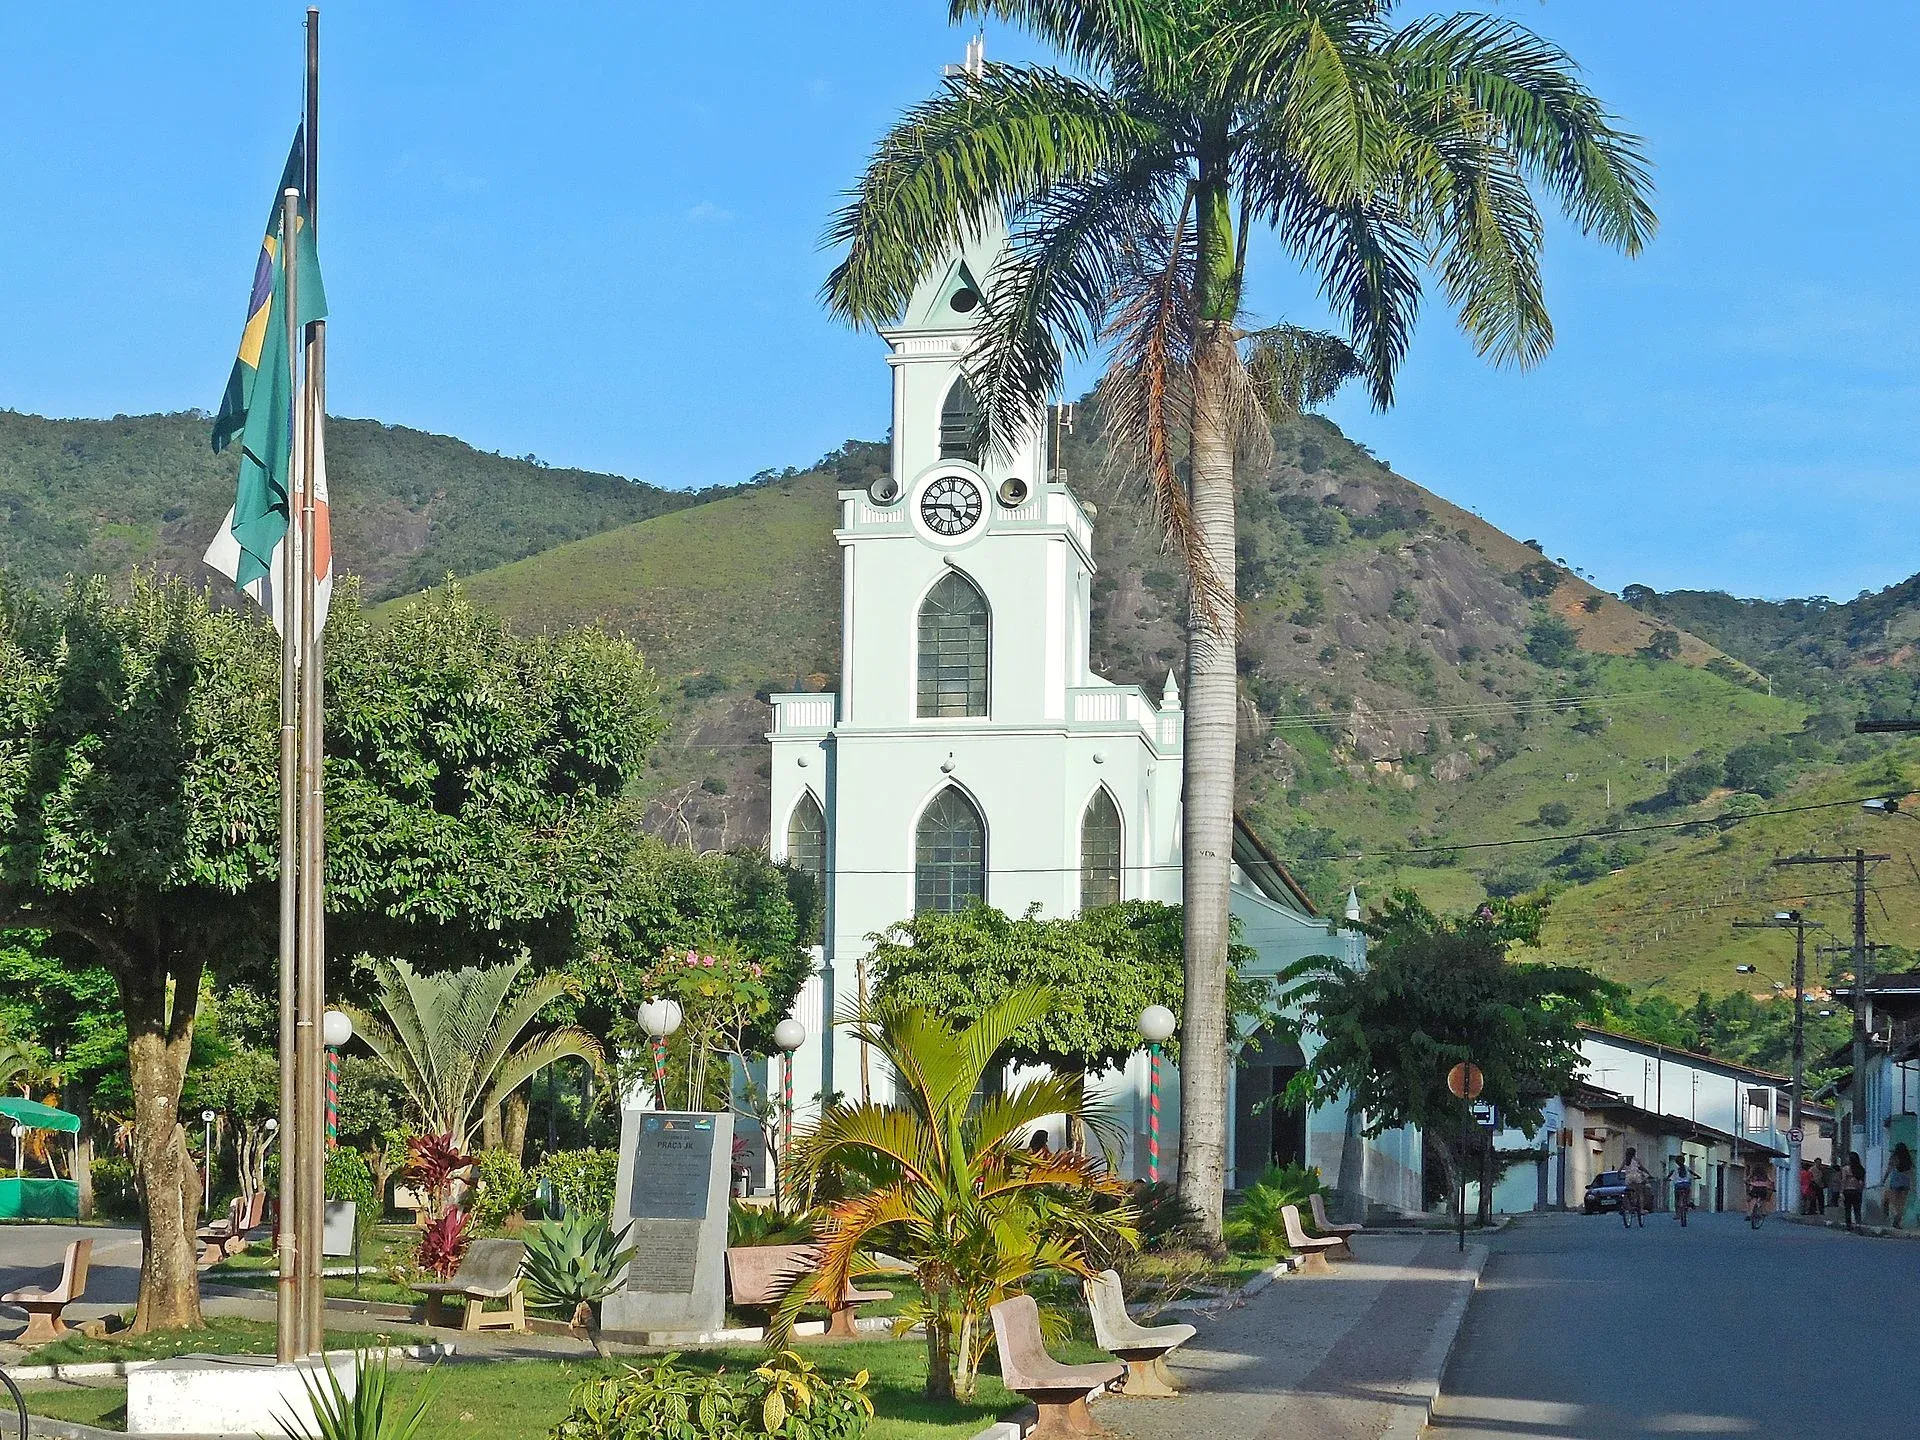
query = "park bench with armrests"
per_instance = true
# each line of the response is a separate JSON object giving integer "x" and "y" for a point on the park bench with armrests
{"x": 43, "y": 1305}
{"x": 759, "y": 1276}
{"x": 1326, "y": 1226}
{"x": 1144, "y": 1347}
{"x": 490, "y": 1271}
{"x": 1058, "y": 1391}
{"x": 231, "y": 1234}
{"x": 1312, "y": 1249}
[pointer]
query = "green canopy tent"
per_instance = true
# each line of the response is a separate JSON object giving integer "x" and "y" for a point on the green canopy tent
{"x": 24, "y": 1198}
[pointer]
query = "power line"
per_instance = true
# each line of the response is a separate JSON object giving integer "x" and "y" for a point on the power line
{"x": 1719, "y": 821}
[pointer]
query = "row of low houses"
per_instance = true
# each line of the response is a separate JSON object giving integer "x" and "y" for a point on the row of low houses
{"x": 1664, "y": 1103}
{"x": 1891, "y": 1111}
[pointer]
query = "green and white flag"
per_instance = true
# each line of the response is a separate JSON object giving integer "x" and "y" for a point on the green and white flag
{"x": 258, "y": 406}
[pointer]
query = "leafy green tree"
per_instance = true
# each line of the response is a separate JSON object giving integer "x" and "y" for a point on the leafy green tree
{"x": 472, "y": 786}
{"x": 1661, "y": 645}
{"x": 945, "y": 1182}
{"x": 1438, "y": 991}
{"x": 1552, "y": 642}
{"x": 243, "y": 1088}
{"x": 1376, "y": 154}
{"x": 461, "y": 1041}
{"x": 137, "y": 827}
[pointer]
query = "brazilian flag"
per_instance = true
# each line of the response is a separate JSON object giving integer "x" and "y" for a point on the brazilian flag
{"x": 258, "y": 404}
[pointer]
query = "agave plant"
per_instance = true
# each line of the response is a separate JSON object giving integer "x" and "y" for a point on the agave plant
{"x": 364, "y": 1414}
{"x": 574, "y": 1263}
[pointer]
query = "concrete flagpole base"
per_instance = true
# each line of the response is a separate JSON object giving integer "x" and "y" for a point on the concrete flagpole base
{"x": 229, "y": 1394}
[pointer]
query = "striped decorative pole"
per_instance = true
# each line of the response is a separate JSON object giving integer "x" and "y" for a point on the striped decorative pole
{"x": 333, "y": 1099}
{"x": 1157, "y": 1024}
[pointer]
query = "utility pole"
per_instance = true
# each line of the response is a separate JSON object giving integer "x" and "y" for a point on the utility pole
{"x": 1793, "y": 920}
{"x": 1858, "y": 860}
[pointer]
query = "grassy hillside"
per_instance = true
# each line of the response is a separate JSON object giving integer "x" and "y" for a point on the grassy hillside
{"x": 99, "y": 496}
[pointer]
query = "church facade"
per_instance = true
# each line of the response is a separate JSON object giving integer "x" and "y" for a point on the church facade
{"x": 971, "y": 753}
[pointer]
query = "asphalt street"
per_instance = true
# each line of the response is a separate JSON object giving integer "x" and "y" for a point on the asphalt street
{"x": 1582, "y": 1329}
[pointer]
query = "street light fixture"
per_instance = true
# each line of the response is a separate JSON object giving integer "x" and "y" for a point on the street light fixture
{"x": 660, "y": 1017}
{"x": 789, "y": 1035}
{"x": 1798, "y": 923}
{"x": 1157, "y": 1024}
{"x": 206, "y": 1190}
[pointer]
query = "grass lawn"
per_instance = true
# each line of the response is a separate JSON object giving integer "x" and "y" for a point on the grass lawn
{"x": 520, "y": 1399}
{"x": 222, "y": 1335}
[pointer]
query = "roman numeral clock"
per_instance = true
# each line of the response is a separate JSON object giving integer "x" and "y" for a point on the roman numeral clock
{"x": 952, "y": 505}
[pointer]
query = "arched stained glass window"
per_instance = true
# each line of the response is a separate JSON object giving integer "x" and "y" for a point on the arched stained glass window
{"x": 949, "y": 855}
{"x": 953, "y": 649}
{"x": 1100, "y": 852}
{"x": 807, "y": 851}
{"x": 962, "y": 425}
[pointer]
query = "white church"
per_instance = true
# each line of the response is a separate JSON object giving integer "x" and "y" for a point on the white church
{"x": 972, "y": 754}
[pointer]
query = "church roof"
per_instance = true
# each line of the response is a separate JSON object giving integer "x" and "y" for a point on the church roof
{"x": 1265, "y": 869}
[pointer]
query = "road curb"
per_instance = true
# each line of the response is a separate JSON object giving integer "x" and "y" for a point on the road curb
{"x": 1411, "y": 1421}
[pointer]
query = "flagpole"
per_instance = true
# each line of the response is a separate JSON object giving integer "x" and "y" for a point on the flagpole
{"x": 312, "y": 760}
{"x": 288, "y": 1310}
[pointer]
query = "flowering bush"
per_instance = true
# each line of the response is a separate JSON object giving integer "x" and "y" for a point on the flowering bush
{"x": 442, "y": 1244}
{"x": 723, "y": 996}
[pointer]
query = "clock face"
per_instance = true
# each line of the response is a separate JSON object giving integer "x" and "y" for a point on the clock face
{"x": 951, "y": 505}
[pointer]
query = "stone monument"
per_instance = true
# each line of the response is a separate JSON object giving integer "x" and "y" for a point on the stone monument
{"x": 672, "y": 1187}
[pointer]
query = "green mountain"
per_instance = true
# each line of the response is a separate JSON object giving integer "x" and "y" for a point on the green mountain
{"x": 99, "y": 496}
{"x": 1426, "y": 701}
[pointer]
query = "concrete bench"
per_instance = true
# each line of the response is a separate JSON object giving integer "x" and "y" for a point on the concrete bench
{"x": 231, "y": 1235}
{"x": 1312, "y": 1249}
{"x": 43, "y": 1305}
{"x": 1325, "y": 1226}
{"x": 1144, "y": 1348}
{"x": 1059, "y": 1391}
{"x": 759, "y": 1277}
{"x": 490, "y": 1271}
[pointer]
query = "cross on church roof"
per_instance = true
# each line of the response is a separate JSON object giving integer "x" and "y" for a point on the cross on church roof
{"x": 976, "y": 61}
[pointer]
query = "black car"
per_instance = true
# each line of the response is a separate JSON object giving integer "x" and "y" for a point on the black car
{"x": 1606, "y": 1191}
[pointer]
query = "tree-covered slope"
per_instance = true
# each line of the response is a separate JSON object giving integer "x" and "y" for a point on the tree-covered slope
{"x": 100, "y": 496}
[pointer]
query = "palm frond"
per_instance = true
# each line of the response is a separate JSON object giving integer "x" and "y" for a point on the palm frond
{"x": 956, "y": 164}
{"x": 1290, "y": 370}
{"x": 1108, "y": 36}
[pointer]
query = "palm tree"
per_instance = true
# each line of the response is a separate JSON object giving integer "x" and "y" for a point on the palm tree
{"x": 941, "y": 1179}
{"x": 458, "y": 1044}
{"x": 1378, "y": 155}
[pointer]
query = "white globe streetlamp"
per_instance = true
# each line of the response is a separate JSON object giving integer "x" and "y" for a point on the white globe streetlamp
{"x": 1157, "y": 1024}
{"x": 660, "y": 1017}
{"x": 789, "y": 1035}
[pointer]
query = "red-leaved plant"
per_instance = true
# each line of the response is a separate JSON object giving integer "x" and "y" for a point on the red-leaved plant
{"x": 432, "y": 1162}
{"x": 442, "y": 1244}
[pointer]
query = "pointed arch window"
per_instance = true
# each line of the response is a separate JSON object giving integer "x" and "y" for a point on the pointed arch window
{"x": 1100, "y": 851}
{"x": 949, "y": 855}
{"x": 962, "y": 425}
{"x": 807, "y": 852}
{"x": 954, "y": 623}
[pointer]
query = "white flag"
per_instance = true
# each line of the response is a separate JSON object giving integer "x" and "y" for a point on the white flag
{"x": 223, "y": 554}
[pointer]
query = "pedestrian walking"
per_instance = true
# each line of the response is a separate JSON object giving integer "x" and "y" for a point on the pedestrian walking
{"x": 1834, "y": 1173}
{"x": 1853, "y": 1187}
{"x": 1759, "y": 1187}
{"x": 1897, "y": 1184}
{"x": 1682, "y": 1188}
{"x": 1633, "y": 1204}
{"x": 1806, "y": 1187}
{"x": 1819, "y": 1188}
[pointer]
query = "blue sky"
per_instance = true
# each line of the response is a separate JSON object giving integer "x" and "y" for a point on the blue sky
{"x": 590, "y": 233}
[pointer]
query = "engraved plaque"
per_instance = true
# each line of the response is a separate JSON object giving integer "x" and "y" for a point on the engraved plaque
{"x": 672, "y": 1164}
{"x": 669, "y": 1254}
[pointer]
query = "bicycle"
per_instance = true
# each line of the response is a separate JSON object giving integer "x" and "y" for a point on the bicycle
{"x": 1682, "y": 1201}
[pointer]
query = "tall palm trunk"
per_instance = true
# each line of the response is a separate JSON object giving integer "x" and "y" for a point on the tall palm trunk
{"x": 1212, "y": 706}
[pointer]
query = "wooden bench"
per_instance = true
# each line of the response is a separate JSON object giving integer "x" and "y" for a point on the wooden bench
{"x": 1144, "y": 1347}
{"x": 490, "y": 1271}
{"x": 1325, "y": 1226}
{"x": 43, "y": 1305}
{"x": 1312, "y": 1249}
{"x": 759, "y": 1277}
{"x": 1058, "y": 1391}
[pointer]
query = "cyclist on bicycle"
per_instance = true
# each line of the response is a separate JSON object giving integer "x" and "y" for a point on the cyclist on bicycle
{"x": 1759, "y": 1187}
{"x": 1633, "y": 1205}
{"x": 1683, "y": 1178}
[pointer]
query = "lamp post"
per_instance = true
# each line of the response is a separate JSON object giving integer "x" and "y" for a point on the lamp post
{"x": 206, "y": 1118}
{"x": 1157, "y": 1024}
{"x": 1792, "y": 920}
{"x": 789, "y": 1035}
{"x": 336, "y": 1029}
{"x": 19, "y": 1149}
{"x": 660, "y": 1018}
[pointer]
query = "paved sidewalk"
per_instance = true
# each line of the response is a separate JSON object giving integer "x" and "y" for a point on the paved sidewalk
{"x": 1357, "y": 1353}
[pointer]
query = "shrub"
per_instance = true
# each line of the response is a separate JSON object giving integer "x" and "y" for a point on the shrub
{"x": 1167, "y": 1220}
{"x": 432, "y": 1163}
{"x": 1552, "y": 641}
{"x": 501, "y": 1189}
{"x": 1556, "y": 814}
{"x": 1661, "y": 645}
{"x": 1256, "y": 1225}
{"x": 580, "y": 1179}
{"x": 768, "y": 1225}
{"x": 365, "y": 1414}
{"x": 113, "y": 1193}
{"x": 442, "y": 1244}
{"x": 348, "y": 1178}
{"x": 785, "y": 1399}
